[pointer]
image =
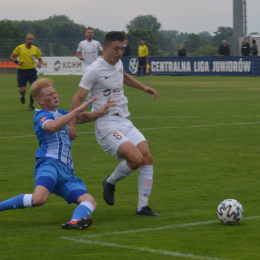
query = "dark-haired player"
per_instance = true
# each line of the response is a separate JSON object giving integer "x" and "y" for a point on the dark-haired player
{"x": 115, "y": 134}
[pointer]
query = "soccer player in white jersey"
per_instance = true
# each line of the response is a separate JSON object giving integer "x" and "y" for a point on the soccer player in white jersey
{"x": 88, "y": 49}
{"x": 54, "y": 166}
{"x": 115, "y": 134}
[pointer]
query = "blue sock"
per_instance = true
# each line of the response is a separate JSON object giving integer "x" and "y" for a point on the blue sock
{"x": 83, "y": 210}
{"x": 19, "y": 202}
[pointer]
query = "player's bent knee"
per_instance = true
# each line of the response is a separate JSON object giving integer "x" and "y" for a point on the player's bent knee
{"x": 39, "y": 201}
{"x": 148, "y": 159}
{"x": 135, "y": 161}
{"x": 88, "y": 197}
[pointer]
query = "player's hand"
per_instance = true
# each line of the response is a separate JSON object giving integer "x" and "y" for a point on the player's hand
{"x": 73, "y": 132}
{"x": 110, "y": 103}
{"x": 39, "y": 65}
{"x": 84, "y": 105}
{"x": 151, "y": 91}
{"x": 81, "y": 58}
{"x": 20, "y": 63}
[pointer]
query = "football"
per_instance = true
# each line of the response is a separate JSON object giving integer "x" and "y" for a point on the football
{"x": 230, "y": 211}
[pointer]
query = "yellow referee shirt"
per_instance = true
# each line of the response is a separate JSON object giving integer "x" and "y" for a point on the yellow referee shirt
{"x": 27, "y": 56}
{"x": 143, "y": 51}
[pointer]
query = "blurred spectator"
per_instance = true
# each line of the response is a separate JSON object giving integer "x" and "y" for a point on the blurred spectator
{"x": 224, "y": 49}
{"x": 254, "y": 50}
{"x": 245, "y": 49}
{"x": 127, "y": 50}
{"x": 182, "y": 51}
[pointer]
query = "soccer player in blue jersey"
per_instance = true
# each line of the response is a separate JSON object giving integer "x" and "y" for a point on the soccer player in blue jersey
{"x": 54, "y": 166}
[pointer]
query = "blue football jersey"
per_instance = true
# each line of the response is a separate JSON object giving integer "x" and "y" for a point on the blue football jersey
{"x": 55, "y": 145}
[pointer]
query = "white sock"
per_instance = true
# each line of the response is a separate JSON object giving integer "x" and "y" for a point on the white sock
{"x": 145, "y": 183}
{"x": 88, "y": 204}
{"x": 121, "y": 171}
{"x": 27, "y": 200}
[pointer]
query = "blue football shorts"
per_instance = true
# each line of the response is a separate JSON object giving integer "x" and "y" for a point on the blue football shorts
{"x": 58, "y": 179}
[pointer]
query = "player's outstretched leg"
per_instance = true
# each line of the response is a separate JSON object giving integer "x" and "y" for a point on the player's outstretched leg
{"x": 18, "y": 202}
{"x": 121, "y": 172}
{"x": 81, "y": 216}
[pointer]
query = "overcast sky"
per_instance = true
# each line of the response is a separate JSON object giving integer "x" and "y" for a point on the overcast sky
{"x": 192, "y": 16}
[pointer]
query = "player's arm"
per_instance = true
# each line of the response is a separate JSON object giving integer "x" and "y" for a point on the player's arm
{"x": 79, "y": 55}
{"x": 85, "y": 117}
{"x": 131, "y": 82}
{"x": 77, "y": 100}
{"x": 55, "y": 125}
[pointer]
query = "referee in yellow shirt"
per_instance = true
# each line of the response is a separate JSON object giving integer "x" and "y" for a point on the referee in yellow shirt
{"x": 27, "y": 53}
{"x": 142, "y": 57}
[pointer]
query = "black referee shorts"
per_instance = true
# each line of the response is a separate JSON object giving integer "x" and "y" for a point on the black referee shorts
{"x": 142, "y": 61}
{"x": 26, "y": 75}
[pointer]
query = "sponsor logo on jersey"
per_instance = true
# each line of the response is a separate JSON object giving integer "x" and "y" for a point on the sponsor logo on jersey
{"x": 107, "y": 92}
{"x": 94, "y": 45}
{"x": 121, "y": 70}
{"x": 117, "y": 90}
{"x": 57, "y": 65}
{"x": 42, "y": 119}
{"x": 106, "y": 77}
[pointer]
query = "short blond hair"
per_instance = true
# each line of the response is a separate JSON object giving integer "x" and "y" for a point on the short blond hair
{"x": 39, "y": 85}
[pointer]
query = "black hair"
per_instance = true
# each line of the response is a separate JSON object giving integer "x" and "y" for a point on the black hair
{"x": 253, "y": 41}
{"x": 112, "y": 37}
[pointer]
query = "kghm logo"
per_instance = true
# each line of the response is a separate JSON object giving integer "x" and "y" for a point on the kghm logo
{"x": 57, "y": 65}
{"x": 107, "y": 92}
{"x": 133, "y": 65}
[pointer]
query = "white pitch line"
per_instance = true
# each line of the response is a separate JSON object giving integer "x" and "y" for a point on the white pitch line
{"x": 191, "y": 117}
{"x": 152, "y": 128}
{"x": 154, "y": 117}
{"x": 158, "y": 228}
{"x": 144, "y": 249}
{"x": 82, "y": 239}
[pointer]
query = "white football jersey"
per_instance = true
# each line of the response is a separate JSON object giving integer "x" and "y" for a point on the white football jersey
{"x": 89, "y": 52}
{"x": 104, "y": 80}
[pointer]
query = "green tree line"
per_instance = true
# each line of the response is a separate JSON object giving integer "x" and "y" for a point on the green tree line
{"x": 59, "y": 35}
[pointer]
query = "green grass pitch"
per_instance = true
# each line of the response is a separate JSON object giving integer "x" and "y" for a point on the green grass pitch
{"x": 203, "y": 133}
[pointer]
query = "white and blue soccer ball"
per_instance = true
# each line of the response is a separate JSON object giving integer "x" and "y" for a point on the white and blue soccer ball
{"x": 230, "y": 211}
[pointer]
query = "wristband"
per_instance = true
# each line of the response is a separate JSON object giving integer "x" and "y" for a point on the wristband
{"x": 16, "y": 61}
